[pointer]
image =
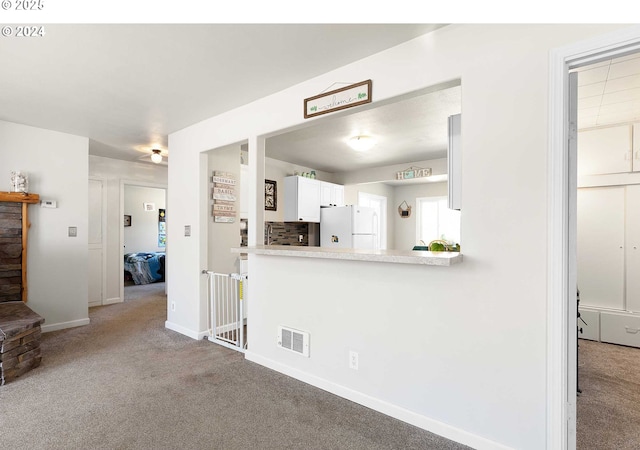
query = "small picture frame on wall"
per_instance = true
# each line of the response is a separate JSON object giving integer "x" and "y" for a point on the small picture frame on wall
{"x": 270, "y": 195}
{"x": 127, "y": 221}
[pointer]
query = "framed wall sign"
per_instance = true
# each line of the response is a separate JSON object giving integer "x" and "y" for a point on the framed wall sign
{"x": 270, "y": 195}
{"x": 346, "y": 97}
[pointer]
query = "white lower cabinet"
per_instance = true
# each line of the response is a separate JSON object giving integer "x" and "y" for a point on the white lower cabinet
{"x": 608, "y": 256}
{"x": 620, "y": 328}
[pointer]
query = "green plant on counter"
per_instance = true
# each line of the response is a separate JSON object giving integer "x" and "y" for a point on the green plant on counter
{"x": 440, "y": 245}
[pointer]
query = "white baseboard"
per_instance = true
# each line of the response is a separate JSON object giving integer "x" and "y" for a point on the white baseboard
{"x": 111, "y": 301}
{"x": 198, "y": 335}
{"x": 426, "y": 423}
{"x": 63, "y": 325}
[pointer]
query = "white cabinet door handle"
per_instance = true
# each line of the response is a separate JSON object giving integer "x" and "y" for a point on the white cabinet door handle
{"x": 632, "y": 330}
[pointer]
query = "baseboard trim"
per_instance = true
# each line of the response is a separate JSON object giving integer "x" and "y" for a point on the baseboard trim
{"x": 187, "y": 332}
{"x": 63, "y": 325}
{"x": 431, "y": 425}
{"x": 111, "y": 301}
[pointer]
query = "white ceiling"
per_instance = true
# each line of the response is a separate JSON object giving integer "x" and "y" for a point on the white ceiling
{"x": 609, "y": 92}
{"x": 126, "y": 87}
{"x": 411, "y": 129}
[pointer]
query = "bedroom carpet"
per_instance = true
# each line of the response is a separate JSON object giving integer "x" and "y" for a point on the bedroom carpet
{"x": 608, "y": 409}
{"x": 126, "y": 382}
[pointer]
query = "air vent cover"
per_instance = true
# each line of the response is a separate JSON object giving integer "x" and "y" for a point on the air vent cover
{"x": 293, "y": 340}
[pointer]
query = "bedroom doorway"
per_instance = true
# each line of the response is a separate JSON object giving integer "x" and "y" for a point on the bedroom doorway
{"x": 143, "y": 238}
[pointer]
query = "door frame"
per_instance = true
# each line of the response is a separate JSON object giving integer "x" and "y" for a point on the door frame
{"x": 561, "y": 262}
{"x": 136, "y": 183}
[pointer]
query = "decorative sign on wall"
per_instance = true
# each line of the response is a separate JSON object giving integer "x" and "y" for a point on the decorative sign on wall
{"x": 346, "y": 97}
{"x": 413, "y": 172}
{"x": 404, "y": 210}
{"x": 223, "y": 194}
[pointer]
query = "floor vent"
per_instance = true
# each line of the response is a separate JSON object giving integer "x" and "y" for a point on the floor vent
{"x": 294, "y": 340}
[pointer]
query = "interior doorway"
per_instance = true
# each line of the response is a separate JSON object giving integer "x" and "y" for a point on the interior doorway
{"x": 608, "y": 192}
{"x": 562, "y": 263}
{"x": 143, "y": 237}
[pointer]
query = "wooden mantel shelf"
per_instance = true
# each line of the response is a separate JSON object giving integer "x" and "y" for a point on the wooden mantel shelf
{"x": 25, "y": 199}
{"x": 19, "y": 197}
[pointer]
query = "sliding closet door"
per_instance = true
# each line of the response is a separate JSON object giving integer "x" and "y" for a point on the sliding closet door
{"x": 633, "y": 248}
{"x": 601, "y": 246}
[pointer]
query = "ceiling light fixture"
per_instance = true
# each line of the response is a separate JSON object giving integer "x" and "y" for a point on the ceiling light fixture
{"x": 156, "y": 157}
{"x": 361, "y": 143}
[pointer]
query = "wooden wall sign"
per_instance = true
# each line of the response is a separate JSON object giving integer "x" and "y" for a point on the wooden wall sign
{"x": 14, "y": 227}
{"x": 346, "y": 97}
{"x": 223, "y": 194}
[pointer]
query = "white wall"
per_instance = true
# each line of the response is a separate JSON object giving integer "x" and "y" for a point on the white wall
{"x": 56, "y": 164}
{"x": 142, "y": 235}
{"x": 475, "y": 365}
{"x": 224, "y": 236}
{"x": 115, "y": 173}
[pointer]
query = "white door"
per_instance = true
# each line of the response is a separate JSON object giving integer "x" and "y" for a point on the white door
{"x": 96, "y": 246}
{"x": 308, "y": 199}
{"x": 632, "y": 250}
{"x": 601, "y": 246}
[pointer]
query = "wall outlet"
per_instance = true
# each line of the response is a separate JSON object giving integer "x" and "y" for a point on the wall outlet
{"x": 300, "y": 238}
{"x": 353, "y": 360}
{"x": 73, "y": 231}
{"x": 173, "y": 306}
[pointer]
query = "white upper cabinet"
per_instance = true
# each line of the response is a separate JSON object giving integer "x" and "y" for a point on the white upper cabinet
{"x": 331, "y": 194}
{"x": 608, "y": 150}
{"x": 301, "y": 199}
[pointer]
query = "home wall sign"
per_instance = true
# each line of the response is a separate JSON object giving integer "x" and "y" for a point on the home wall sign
{"x": 413, "y": 172}
{"x": 346, "y": 97}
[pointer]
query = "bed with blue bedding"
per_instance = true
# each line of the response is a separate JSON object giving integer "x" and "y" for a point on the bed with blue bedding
{"x": 144, "y": 267}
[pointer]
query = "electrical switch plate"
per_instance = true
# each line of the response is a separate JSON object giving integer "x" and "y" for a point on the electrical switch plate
{"x": 353, "y": 360}
{"x": 48, "y": 204}
{"x": 187, "y": 230}
{"x": 73, "y": 231}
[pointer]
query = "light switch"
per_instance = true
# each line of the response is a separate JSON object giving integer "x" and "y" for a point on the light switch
{"x": 48, "y": 204}
{"x": 73, "y": 231}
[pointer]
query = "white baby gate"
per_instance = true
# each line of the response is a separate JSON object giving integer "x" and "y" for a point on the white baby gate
{"x": 227, "y": 309}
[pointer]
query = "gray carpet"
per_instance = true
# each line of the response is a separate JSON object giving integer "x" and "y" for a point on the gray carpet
{"x": 126, "y": 382}
{"x": 608, "y": 409}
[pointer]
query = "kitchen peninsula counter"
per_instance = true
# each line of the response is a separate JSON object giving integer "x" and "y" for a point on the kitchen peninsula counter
{"x": 347, "y": 254}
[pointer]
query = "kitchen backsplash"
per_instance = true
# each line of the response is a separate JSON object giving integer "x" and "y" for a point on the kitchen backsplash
{"x": 287, "y": 233}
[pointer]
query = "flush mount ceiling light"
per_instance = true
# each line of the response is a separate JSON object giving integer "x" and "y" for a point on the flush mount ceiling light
{"x": 361, "y": 143}
{"x": 156, "y": 157}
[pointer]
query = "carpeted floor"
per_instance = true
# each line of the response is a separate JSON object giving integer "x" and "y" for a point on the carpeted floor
{"x": 126, "y": 382}
{"x": 608, "y": 409}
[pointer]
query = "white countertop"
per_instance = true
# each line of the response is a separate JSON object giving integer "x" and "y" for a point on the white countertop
{"x": 389, "y": 256}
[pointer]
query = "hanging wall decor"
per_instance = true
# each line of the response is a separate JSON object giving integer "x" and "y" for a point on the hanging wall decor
{"x": 162, "y": 228}
{"x": 405, "y": 211}
{"x": 223, "y": 194}
{"x": 270, "y": 195}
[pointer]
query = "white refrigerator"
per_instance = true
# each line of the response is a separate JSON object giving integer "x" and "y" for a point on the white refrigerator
{"x": 348, "y": 227}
